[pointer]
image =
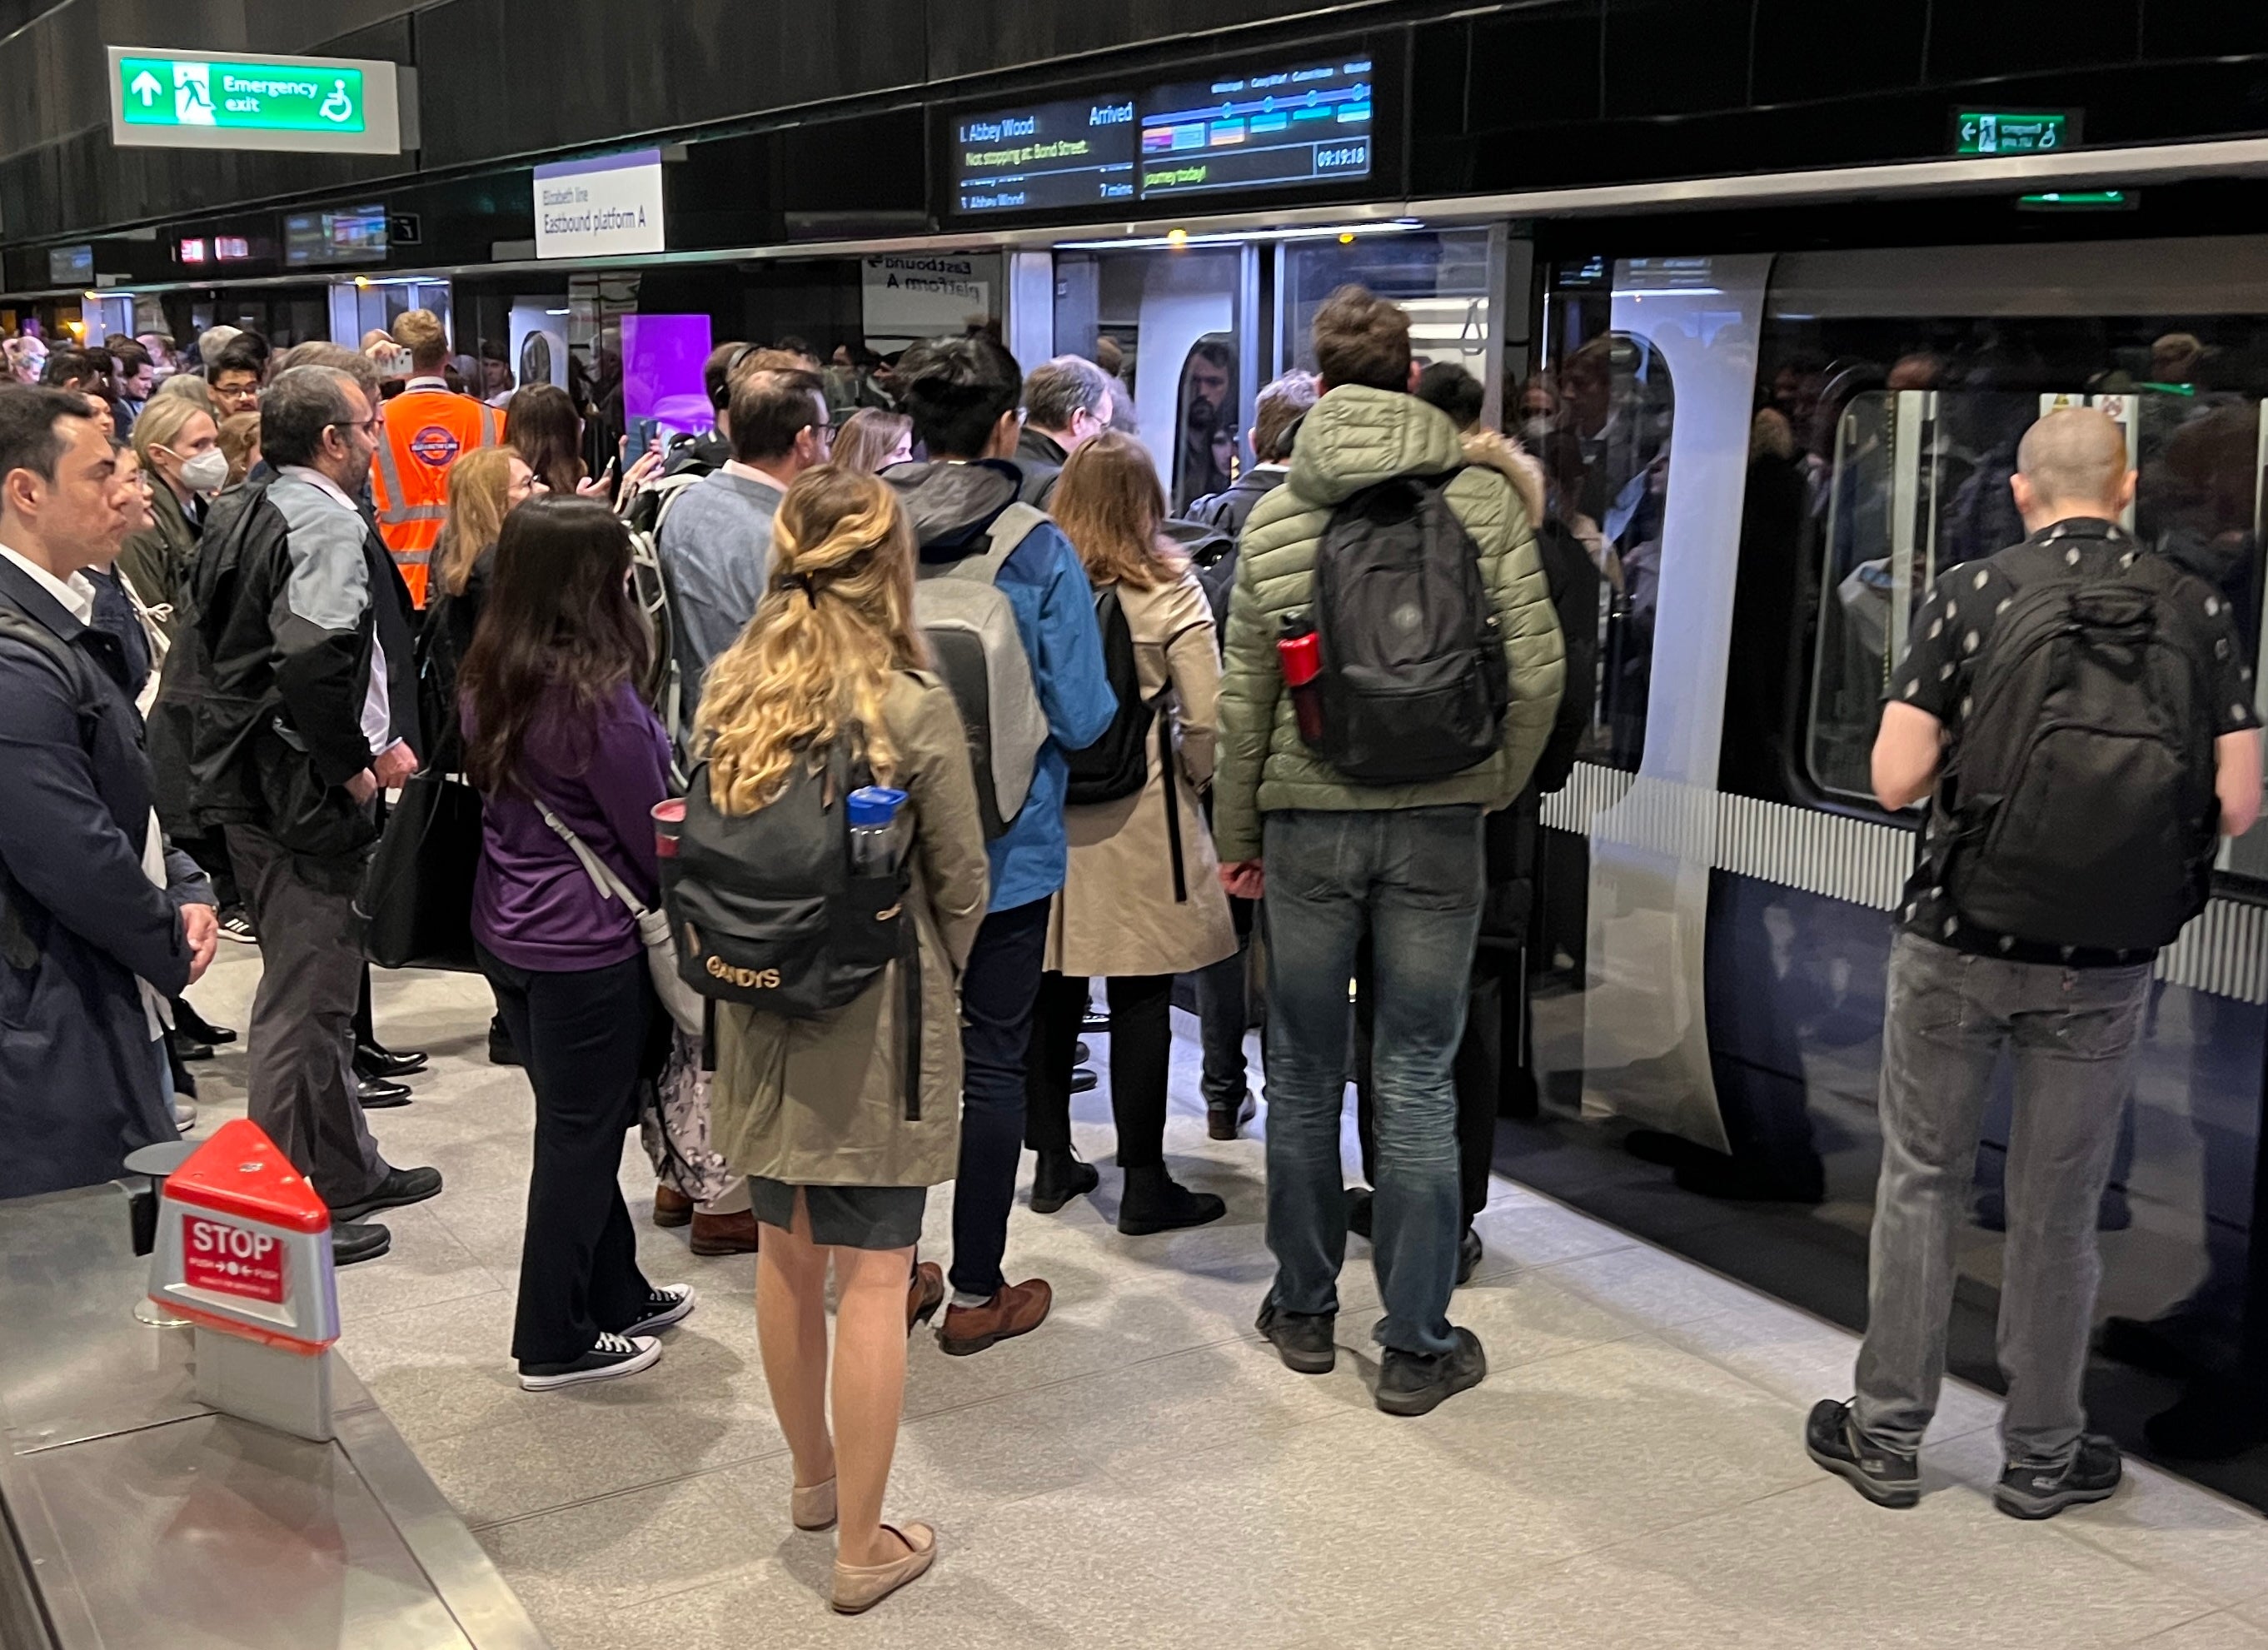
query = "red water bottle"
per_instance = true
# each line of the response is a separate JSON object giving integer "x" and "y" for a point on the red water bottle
{"x": 1300, "y": 655}
{"x": 668, "y": 822}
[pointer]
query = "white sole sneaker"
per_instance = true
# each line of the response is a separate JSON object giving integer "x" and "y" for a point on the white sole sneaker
{"x": 676, "y": 1313}
{"x": 648, "y": 1353}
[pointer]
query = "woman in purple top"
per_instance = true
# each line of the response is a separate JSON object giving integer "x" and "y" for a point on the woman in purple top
{"x": 552, "y": 721}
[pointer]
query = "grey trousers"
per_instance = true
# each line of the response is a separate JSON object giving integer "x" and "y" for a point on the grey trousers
{"x": 2072, "y": 1034}
{"x": 302, "y": 1034}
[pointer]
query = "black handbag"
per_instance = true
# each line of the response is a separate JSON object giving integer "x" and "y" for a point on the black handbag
{"x": 416, "y": 898}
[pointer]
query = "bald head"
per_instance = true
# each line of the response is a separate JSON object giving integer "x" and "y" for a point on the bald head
{"x": 2073, "y": 463}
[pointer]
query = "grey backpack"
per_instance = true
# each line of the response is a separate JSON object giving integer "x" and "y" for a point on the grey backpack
{"x": 978, "y": 650}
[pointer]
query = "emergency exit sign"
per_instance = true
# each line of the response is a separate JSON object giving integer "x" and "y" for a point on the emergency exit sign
{"x": 2014, "y": 132}
{"x": 224, "y": 100}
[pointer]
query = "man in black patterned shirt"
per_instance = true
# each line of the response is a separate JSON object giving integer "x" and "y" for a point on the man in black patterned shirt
{"x": 2033, "y": 701}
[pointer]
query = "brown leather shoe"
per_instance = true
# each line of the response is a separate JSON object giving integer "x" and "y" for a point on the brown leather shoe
{"x": 924, "y": 1294}
{"x": 724, "y": 1233}
{"x": 1017, "y": 1309}
{"x": 671, "y": 1206}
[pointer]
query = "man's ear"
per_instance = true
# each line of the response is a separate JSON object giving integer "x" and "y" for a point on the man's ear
{"x": 1414, "y": 370}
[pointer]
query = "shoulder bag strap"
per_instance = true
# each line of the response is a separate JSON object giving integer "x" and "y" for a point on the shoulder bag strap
{"x": 610, "y": 886}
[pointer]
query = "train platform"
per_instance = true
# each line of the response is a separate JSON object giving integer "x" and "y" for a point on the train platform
{"x": 1631, "y": 1475}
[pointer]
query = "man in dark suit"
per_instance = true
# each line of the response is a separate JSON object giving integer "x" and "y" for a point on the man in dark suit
{"x": 99, "y": 923}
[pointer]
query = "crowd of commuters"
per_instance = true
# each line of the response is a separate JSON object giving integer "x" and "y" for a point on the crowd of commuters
{"x": 242, "y": 553}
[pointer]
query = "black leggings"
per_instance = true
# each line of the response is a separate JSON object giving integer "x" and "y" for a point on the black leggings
{"x": 1141, "y": 1045}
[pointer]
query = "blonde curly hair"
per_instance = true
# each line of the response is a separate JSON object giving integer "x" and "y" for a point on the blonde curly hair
{"x": 815, "y": 664}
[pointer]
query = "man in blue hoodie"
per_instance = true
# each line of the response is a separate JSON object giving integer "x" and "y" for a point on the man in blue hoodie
{"x": 964, "y": 397}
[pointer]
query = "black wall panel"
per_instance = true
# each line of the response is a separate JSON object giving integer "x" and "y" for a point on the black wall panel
{"x": 1804, "y": 52}
{"x": 1536, "y": 64}
{"x": 2203, "y": 28}
{"x": 1970, "y": 40}
{"x": 970, "y": 37}
{"x": 1676, "y": 57}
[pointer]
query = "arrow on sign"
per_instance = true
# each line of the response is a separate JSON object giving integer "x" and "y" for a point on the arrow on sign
{"x": 147, "y": 88}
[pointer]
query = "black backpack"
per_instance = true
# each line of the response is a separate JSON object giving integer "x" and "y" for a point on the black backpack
{"x": 766, "y": 910}
{"x": 1414, "y": 681}
{"x": 2079, "y": 808}
{"x": 1117, "y": 764}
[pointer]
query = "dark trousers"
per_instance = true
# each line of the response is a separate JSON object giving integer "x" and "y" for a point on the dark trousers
{"x": 1223, "y": 1015}
{"x": 997, "y": 993}
{"x": 1141, "y": 1045}
{"x": 1477, "y": 1071}
{"x": 582, "y": 1038}
{"x": 301, "y": 1039}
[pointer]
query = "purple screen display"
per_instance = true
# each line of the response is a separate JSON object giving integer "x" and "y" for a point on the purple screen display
{"x": 662, "y": 357}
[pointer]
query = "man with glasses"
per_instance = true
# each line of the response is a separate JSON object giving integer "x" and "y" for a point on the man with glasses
{"x": 233, "y": 375}
{"x": 300, "y": 676}
{"x": 1068, "y": 401}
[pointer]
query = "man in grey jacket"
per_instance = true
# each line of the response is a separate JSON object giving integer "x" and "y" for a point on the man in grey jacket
{"x": 716, "y": 543}
{"x": 1401, "y": 864}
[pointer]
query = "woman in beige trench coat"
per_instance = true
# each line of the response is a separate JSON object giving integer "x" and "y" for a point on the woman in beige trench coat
{"x": 815, "y": 1111}
{"x": 1141, "y": 903}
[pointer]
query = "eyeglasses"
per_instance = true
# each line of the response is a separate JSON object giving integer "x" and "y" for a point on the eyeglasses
{"x": 369, "y": 426}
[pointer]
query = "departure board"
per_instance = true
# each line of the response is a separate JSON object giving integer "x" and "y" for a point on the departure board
{"x": 1269, "y": 128}
{"x": 1045, "y": 157}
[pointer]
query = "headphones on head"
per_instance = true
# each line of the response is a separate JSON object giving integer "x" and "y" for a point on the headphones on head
{"x": 722, "y": 397}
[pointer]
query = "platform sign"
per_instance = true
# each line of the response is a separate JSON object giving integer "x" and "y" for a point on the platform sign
{"x": 606, "y": 206}
{"x": 2014, "y": 131}
{"x": 226, "y": 100}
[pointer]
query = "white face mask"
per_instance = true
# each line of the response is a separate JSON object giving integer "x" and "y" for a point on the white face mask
{"x": 207, "y": 473}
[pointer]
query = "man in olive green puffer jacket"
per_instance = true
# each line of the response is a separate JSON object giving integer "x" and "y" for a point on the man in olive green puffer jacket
{"x": 1337, "y": 860}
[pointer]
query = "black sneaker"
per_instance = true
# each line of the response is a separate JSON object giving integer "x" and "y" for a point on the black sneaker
{"x": 234, "y": 924}
{"x": 1411, "y": 1383}
{"x": 614, "y": 1356}
{"x": 500, "y": 1049}
{"x": 1887, "y": 1477}
{"x": 355, "y": 1240}
{"x": 2092, "y": 1474}
{"x": 1302, "y": 1339}
{"x": 1361, "y": 1203}
{"x": 401, "y": 1188}
{"x": 1060, "y": 1177}
{"x": 671, "y": 1303}
{"x": 1468, "y": 1256}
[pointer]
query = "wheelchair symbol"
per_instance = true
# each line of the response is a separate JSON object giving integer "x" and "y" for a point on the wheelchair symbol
{"x": 337, "y": 106}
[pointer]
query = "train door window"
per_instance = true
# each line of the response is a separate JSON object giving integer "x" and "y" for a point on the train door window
{"x": 1598, "y": 416}
{"x": 1170, "y": 324}
{"x": 1440, "y": 279}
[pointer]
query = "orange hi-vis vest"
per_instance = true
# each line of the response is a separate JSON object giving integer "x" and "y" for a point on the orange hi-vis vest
{"x": 426, "y": 429}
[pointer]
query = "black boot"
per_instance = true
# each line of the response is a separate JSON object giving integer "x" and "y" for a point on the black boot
{"x": 1156, "y": 1202}
{"x": 196, "y": 1028}
{"x": 1061, "y": 1177}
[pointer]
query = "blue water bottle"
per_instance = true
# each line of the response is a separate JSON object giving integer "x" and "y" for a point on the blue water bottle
{"x": 876, "y": 827}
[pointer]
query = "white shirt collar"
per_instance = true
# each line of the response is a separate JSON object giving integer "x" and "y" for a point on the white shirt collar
{"x": 75, "y": 594}
{"x": 321, "y": 483}
{"x": 426, "y": 380}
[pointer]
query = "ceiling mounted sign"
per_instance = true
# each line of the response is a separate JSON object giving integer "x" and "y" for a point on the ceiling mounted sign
{"x": 342, "y": 106}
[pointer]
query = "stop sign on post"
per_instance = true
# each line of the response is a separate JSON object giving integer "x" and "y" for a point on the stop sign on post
{"x": 244, "y": 1245}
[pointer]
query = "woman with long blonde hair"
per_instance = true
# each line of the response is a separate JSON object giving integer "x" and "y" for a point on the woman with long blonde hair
{"x": 814, "y": 1112}
{"x": 1140, "y": 902}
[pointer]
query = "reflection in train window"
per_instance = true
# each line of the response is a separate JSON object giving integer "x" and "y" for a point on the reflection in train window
{"x": 1206, "y": 422}
{"x": 1605, "y": 451}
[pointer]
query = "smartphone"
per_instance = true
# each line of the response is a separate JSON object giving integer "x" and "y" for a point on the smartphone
{"x": 644, "y": 431}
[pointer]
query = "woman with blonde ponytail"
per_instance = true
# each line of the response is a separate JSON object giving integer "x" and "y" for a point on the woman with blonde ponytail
{"x": 815, "y": 1111}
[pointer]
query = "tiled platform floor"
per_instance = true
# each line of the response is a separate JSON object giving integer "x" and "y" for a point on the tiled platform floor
{"x": 1142, "y": 1471}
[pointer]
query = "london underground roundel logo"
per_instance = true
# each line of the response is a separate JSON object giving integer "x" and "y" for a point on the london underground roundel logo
{"x": 434, "y": 445}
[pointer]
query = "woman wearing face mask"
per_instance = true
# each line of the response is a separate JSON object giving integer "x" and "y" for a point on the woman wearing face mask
{"x": 180, "y": 448}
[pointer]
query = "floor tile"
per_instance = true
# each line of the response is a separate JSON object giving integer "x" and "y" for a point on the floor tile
{"x": 2216, "y": 1632}
{"x": 582, "y": 1571}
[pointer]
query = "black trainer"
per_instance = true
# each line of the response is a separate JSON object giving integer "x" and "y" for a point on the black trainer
{"x": 1059, "y": 1178}
{"x": 1361, "y": 1203}
{"x": 2092, "y": 1474}
{"x": 401, "y": 1188}
{"x": 1303, "y": 1340}
{"x": 1412, "y": 1383}
{"x": 1156, "y": 1202}
{"x": 614, "y": 1356}
{"x": 1887, "y": 1477}
{"x": 500, "y": 1049}
{"x": 670, "y": 1303}
{"x": 1468, "y": 1256}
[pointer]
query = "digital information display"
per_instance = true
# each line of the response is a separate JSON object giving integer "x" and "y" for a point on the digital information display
{"x": 1054, "y": 156}
{"x": 1301, "y": 125}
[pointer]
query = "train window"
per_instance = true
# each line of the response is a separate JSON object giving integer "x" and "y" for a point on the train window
{"x": 1441, "y": 279}
{"x": 1912, "y": 480}
{"x": 1207, "y": 423}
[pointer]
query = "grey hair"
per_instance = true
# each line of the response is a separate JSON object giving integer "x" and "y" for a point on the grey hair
{"x": 1058, "y": 388}
{"x": 213, "y": 340}
{"x": 298, "y": 407}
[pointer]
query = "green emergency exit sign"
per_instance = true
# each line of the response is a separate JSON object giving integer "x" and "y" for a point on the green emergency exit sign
{"x": 2014, "y": 132}
{"x": 225, "y": 100}
{"x": 255, "y": 97}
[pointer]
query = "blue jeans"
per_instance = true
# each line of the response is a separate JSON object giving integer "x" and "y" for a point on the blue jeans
{"x": 1410, "y": 880}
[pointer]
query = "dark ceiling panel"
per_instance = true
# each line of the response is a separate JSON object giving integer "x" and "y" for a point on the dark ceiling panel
{"x": 971, "y": 37}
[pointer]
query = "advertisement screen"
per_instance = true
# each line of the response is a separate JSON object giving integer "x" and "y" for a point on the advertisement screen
{"x": 1302, "y": 123}
{"x": 1064, "y": 156}
{"x": 357, "y": 235}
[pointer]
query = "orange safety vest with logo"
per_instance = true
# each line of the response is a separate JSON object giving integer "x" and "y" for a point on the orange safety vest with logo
{"x": 426, "y": 429}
